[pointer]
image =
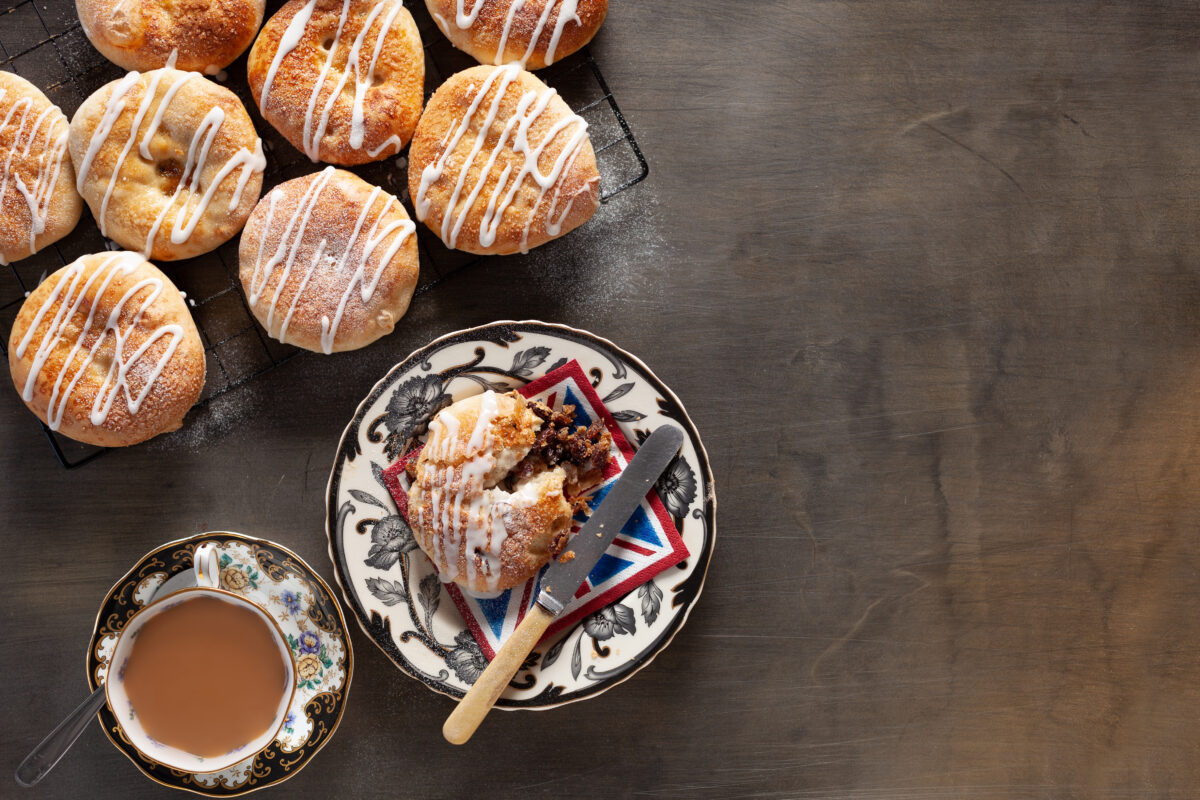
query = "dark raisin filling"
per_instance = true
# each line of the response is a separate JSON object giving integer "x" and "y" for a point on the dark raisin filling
{"x": 560, "y": 441}
{"x": 582, "y": 451}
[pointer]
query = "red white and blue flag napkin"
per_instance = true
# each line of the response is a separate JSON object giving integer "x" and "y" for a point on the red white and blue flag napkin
{"x": 646, "y": 545}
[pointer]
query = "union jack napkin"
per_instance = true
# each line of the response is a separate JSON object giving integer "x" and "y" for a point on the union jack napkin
{"x": 648, "y": 544}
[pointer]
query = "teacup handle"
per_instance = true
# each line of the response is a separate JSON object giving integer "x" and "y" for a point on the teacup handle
{"x": 206, "y": 566}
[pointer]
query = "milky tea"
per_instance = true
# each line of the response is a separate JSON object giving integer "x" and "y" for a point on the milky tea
{"x": 206, "y": 676}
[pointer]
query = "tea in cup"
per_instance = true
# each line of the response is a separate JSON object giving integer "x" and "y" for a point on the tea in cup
{"x": 201, "y": 679}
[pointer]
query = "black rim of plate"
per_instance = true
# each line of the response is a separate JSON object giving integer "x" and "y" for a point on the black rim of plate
{"x": 504, "y": 333}
{"x": 325, "y": 708}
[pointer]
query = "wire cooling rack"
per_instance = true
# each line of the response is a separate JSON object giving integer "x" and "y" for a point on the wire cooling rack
{"x": 45, "y": 44}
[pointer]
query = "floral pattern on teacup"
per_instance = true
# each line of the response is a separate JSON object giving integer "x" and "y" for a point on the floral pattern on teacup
{"x": 235, "y": 577}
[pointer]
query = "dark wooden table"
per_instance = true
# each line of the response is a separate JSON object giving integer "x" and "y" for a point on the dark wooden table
{"x": 927, "y": 277}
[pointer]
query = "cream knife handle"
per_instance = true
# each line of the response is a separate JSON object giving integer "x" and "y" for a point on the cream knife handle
{"x": 471, "y": 710}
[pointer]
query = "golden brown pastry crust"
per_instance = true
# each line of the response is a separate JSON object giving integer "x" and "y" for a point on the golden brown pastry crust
{"x": 455, "y": 491}
{"x": 160, "y": 186}
{"x": 204, "y": 35}
{"x": 458, "y": 212}
{"x": 38, "y": 201}
{"x": 514, "y": 23}
{"x": 391, "y": 94}
{"x": 342, "y": 218}
{"x": 59, "y": 350}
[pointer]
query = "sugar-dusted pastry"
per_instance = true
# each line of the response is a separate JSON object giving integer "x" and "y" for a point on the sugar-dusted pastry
{"x": 328, "y": 261}
{"x": 194, "y": 35}
{"x": 342, "y": 80}
{"x": 500, "y": 164}
{"x": 168, "y": 162}
{"x": 104, "y": 351}
{"x": 38, "y": 201}
{"x": 495, "y": 487}
{"x": 535, "y": 33}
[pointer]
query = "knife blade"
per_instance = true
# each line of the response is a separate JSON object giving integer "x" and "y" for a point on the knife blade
{"x": 563, "y": 578}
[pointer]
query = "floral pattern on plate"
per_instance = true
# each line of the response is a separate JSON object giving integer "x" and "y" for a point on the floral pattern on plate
{"x": 307, "y": 612}
{"x": 390, "y": 584}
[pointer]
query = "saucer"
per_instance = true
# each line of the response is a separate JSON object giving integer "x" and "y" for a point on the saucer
{"x": 391, "y": 585}
{"x": 308, "y": 613}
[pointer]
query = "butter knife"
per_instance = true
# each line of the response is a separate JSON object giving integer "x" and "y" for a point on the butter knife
{"x": 563, "y": 578}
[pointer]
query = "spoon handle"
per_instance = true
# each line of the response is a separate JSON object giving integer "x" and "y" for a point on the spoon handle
{"x": 43, "y": 758}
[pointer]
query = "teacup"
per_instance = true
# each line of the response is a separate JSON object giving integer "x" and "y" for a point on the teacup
{"x": 126, "y": 714}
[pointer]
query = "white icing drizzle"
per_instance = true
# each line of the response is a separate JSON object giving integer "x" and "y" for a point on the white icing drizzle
{"x": 516, "y": 6}
{"x": 515, "y": 136}
{"x": 465, "y": 19}
{"x": 243, "y": 158}
{"x": 392, "y": 141}
{"x": 70, "y": 292}
{"x": 567, "y": 12}
{"x": 50, "y": 160}
{"x": 112, "y": 109}
{"x": 197, "y": 159}
{"x": 554, "y": 226}
{"x": 313, "y": 151}
{"x": 487, "y": 413}
{"x": 287, "y": 43}
{"x": 477, "y": 530}
{"x": 143, "y": 107}
{"x": 449, "y": 427}
{"x": 349, "y": 262}
{"x": 361, "y": 82}
{"x": 300, "y": 217}
{"x": 316, "y": 126}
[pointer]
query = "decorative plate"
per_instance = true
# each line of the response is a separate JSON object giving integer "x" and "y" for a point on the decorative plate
{"x": 391, "y": 585}
{"x": 276, "y": 579}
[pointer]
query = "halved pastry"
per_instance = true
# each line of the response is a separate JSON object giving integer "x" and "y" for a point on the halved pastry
{"x": 496, "y": 485}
